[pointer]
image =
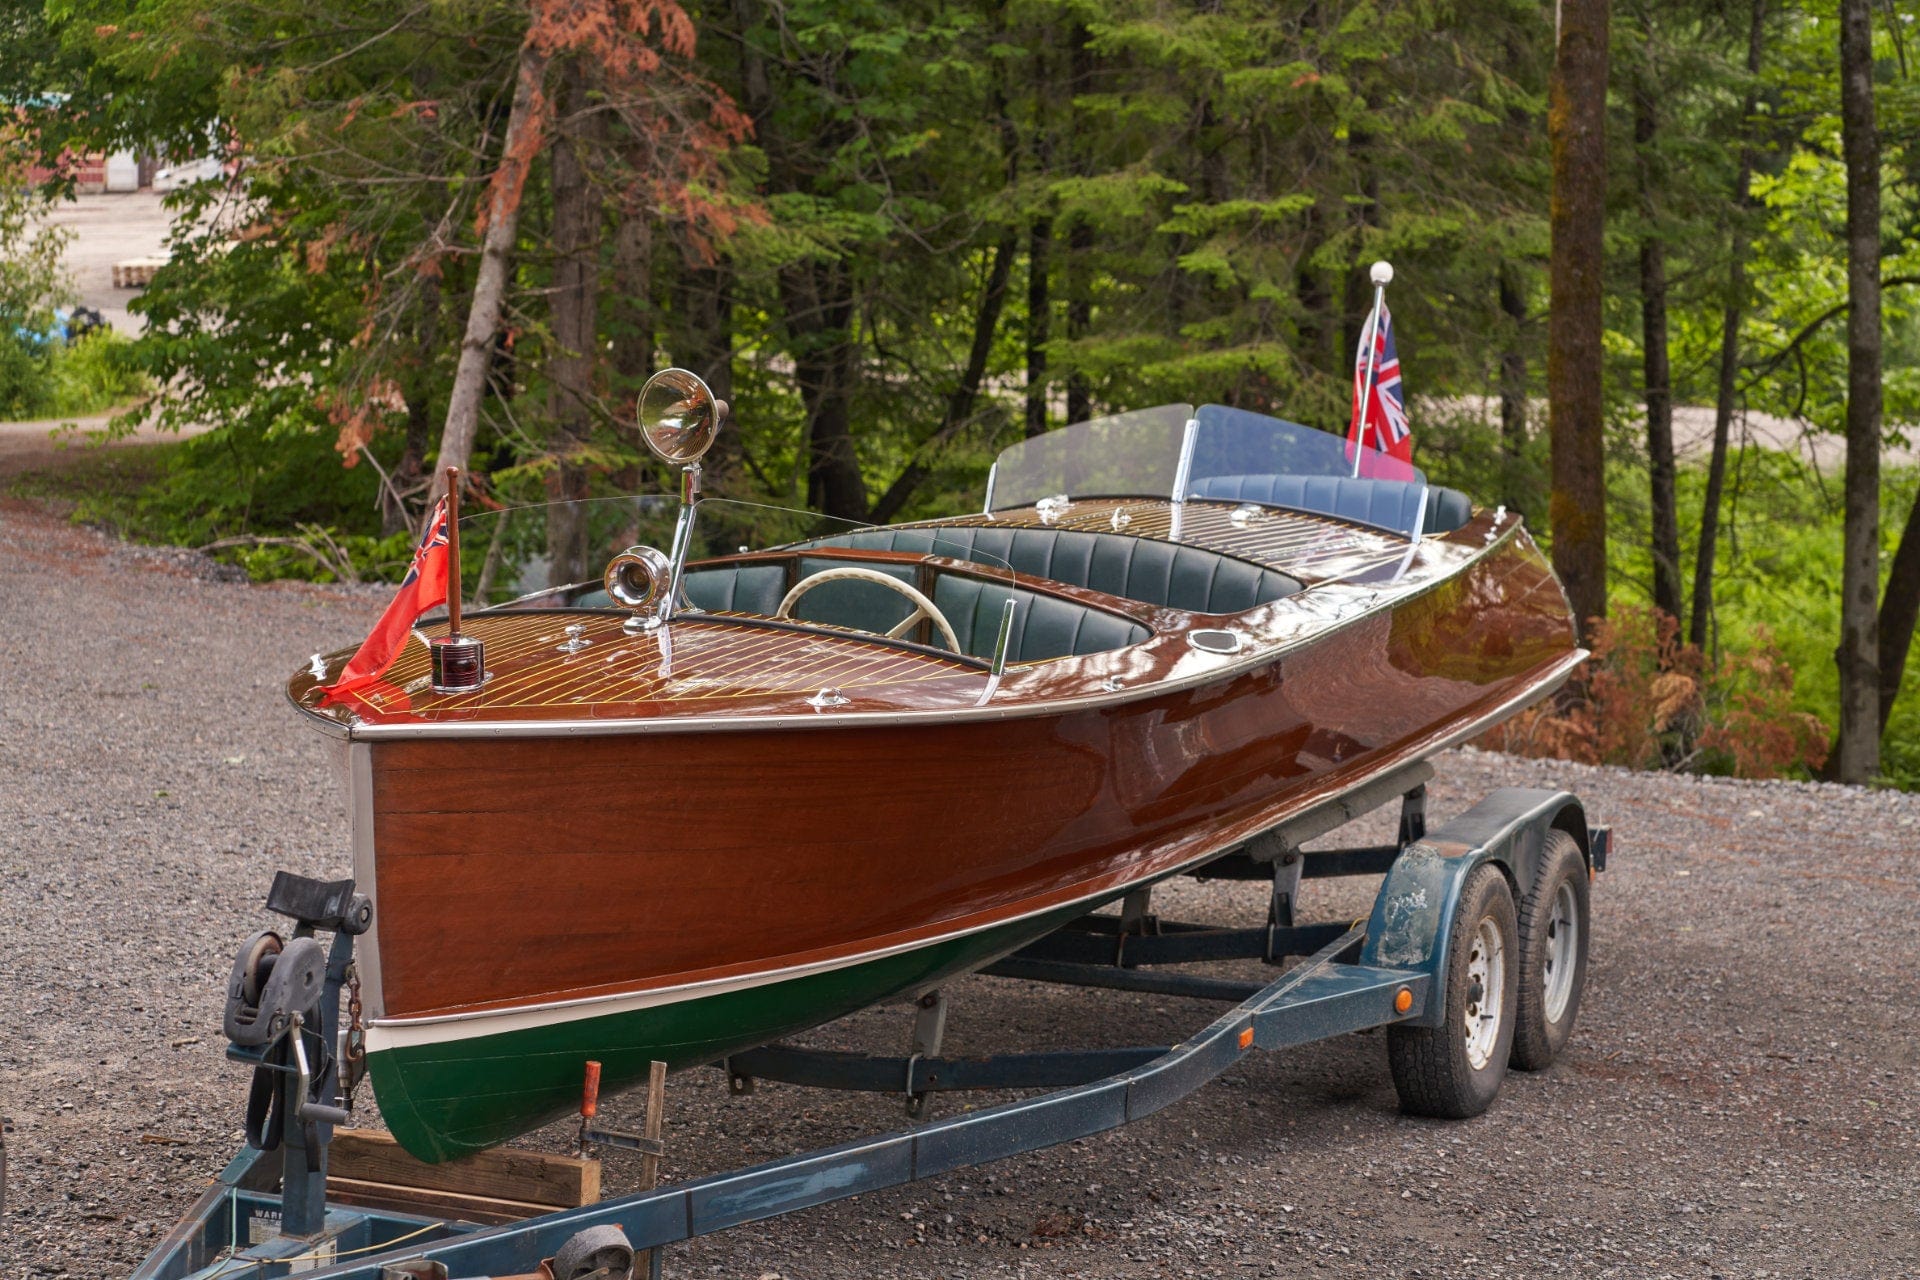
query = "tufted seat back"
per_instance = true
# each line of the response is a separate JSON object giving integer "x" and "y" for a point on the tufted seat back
{"x": 1389, "y": 504}
{"x": 1158, "y": 573}
{"x": 1043, "y": 626}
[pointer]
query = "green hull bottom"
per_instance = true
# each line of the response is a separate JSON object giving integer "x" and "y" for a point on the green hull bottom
{"x": 449, "y": 1099}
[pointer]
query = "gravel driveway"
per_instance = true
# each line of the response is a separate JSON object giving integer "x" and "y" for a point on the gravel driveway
{"x": 1740, "y": 1099}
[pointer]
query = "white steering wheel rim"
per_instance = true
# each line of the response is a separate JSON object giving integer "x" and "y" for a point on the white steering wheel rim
{"x": 923, "y": 607}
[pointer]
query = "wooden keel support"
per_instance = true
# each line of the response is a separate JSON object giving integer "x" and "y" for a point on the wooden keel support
{"x": 368, "y": 1168}
{"x": 645, "y": 1263}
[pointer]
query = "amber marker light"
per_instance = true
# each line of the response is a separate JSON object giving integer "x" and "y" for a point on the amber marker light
{"x": 1403, "y": 1000}
{"x": 1246, "y": 1037}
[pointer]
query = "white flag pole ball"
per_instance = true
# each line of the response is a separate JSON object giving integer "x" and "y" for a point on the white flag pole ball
{"x": 1382, "y": 273}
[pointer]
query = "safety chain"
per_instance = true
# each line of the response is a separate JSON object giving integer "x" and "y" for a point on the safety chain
{"x": 355, "y": 1065}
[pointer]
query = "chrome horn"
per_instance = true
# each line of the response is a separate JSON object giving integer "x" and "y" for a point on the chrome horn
{"x": 636, "y": 579}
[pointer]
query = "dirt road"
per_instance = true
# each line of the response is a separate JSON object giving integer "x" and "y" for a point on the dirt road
{"x": 1740, "y": 1099}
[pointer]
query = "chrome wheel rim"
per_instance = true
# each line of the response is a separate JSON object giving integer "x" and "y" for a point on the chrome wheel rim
{"x": 1562, "y": 952}
{"x": 1486, "y": 992}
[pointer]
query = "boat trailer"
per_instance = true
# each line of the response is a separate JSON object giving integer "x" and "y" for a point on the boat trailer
{"x": 1423, "y": 964}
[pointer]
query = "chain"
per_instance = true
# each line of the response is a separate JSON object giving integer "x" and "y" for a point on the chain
{"x": 356, "y": 1057}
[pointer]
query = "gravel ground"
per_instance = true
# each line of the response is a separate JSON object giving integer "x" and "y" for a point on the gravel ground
{"x": 1739, "y": 1100}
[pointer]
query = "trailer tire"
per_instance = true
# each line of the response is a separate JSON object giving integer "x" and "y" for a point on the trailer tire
{"x": 603, "y": 1252}
{"x": 1454, "y": 1071}
{"x": 1554, "y": 928}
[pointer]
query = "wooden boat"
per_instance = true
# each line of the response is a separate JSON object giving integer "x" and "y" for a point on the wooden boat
{"x": 678, "y": 830}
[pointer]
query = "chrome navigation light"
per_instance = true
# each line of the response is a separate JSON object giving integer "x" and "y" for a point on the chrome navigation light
{"x": 679, "y": 418}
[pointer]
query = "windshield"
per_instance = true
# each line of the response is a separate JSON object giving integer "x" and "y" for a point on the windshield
{"x": 1127, "y": 455}
{"x": 1235, "y": 442}
{"x": 1233, "y": 455}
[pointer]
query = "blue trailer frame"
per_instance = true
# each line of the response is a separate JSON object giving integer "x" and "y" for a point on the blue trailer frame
{"x": 1385, "y": 970}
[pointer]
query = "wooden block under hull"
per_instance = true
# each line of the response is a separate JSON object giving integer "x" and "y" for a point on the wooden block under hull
{"x": 368, "y": 1168}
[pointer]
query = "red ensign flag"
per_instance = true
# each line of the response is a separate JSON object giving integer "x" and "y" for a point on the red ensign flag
{"x": 425, "y": 586}
{"x": 1380, "y": 403}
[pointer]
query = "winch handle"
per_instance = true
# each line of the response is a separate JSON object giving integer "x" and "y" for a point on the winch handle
{"x": 323, "y": 1113}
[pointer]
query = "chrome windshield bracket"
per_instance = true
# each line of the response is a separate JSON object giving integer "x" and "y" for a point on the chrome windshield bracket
{"x": 1181, "y": 473}
{"x": 1001, "y": 644}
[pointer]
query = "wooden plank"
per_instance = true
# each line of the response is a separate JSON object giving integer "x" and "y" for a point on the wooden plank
{"x": 426, "y": 1202}
{"x": 504, "y": 1173}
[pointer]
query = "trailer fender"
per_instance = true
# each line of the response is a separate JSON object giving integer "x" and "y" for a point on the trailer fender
{"x": 1413, "y": 913}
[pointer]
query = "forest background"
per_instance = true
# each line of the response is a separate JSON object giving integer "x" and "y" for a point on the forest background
{"x": 901, "y": 234}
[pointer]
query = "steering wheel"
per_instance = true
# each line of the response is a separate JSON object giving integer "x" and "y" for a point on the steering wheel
{"x": 922, "y": 607}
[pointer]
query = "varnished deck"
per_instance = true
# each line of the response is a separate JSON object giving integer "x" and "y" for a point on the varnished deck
{"x": 711, "y": 662}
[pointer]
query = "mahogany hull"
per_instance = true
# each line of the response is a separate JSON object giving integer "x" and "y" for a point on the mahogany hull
{"x": 627, "y": 896}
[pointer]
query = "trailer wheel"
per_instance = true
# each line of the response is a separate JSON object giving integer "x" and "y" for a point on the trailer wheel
{"x": 1553, "y": 954}
{"x": 1454, "y": 1070}
{"x": 600, "y": 1252}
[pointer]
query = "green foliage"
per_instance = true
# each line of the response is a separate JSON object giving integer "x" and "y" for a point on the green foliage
{"x": 1100, "y": 203}
{"x": 1777, "y": 590}
{"x": 1646, "y": 701}
{"x": 95, "y": 373}
{"x": 33, "y": 283}
{"x": 52, "y": 379}
{"x": 280, "y": 508}
{"x": 26, "y": 381}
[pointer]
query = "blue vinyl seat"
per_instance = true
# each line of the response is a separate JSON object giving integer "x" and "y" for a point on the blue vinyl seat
{"x": 1389, "y": 504}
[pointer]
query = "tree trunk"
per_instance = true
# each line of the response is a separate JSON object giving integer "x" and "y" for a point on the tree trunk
{"x": 526, "y": 130}
{"x": 631, "y": 320}
{"x": 702, "y": 341}
{"x": 1899, "y": 611}
{"x": 1039, "y": 321}
{"x": 819, "y": 302}
{"x": 1513, "y": 391}
{"x": 572, "y": 308}
{"x": 1576, "y": 124}
{"x": 1316, "y": 324}
{"x": 1730, "y": 319}
{"x": 1857, "y": 753}
{"x": 1357, "y": 303}
{"x": 631, "y": 331}
{"x": 1658, "y": 368}
{"x": 960, "y": 400}
{"x": 419, "y": 396}
{"x": 1079, "y": 313}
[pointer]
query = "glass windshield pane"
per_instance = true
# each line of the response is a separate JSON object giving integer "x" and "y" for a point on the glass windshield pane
{"x": 1238, "y": 442}
{"x": 1127, "y": 455}
{"x": 1246, "y": 457}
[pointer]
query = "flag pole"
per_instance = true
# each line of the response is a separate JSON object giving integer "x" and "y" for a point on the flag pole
{"x": 459, "y": 662}
{"x": 1382, "y": 275}
{"x": 453, "y": 551}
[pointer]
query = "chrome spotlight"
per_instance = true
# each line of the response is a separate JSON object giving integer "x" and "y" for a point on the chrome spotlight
{"x": 679, "y": 417}
{"x": 637, "y": 579}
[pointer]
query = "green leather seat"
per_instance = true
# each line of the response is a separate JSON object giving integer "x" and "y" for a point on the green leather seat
{"x": 1157, "y": 573}
{"x": 1043, "y": 626}
{"x": 1388, "y": 504}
